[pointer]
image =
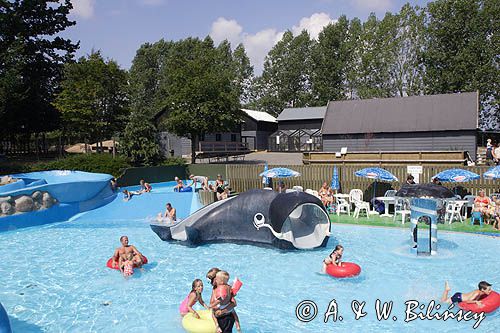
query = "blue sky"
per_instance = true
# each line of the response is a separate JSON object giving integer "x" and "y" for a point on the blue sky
{"x": 119, "y": 27}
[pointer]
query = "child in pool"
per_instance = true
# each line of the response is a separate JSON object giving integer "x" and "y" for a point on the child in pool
{"x": 223, "y": 302}
{"x": 191, "y": 299}
{"x": 334, "y": 258}
{"x": 127, "y": 265}
{"x": 483, "y": 288}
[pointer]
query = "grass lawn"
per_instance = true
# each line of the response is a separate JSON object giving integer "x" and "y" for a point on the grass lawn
{"x": 376, "y": 220}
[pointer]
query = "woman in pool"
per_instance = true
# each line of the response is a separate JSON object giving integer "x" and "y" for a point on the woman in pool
{"x": 191, "y": 299}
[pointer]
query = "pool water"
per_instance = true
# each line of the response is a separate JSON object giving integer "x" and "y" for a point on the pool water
{"x": 54, "y": 277}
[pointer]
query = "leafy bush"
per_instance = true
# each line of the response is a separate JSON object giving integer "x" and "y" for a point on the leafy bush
{"x": 174, "y": 161}
{"x": 102, "y": 163}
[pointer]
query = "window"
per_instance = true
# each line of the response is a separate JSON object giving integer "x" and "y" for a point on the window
{"x": 233, "y": 137}
{"x": 218, "y": 137}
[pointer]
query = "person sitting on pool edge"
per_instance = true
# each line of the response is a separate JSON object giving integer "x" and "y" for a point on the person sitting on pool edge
{"x": 124, "y": 250}
{"x": 473, "y": 297}
{"x": 145, "y": 187}
{"x": 335, "y": 258}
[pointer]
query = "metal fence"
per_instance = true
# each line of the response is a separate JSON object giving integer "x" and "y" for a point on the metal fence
{"x": 245, "y": 177}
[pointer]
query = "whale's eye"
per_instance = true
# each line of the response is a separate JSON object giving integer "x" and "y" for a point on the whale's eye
{"x": 259, "y": 219}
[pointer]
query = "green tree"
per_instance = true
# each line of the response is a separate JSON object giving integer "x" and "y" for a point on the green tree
{"x": 331, "y": 61}
{"x": 139, "y": 141}
{"x": 148, "y": 76}
{"x": 244, "y": 73}
{"x": 93, "y": 101}
{"x": 354, "y": 51}
{"x": 461, "y": 51}
{"x": 286, "y": 79}
{"x": 31, "y": 63}
{"x": 407, "y": 68}
{"x": 377, "y": 54}
{"x": 202, "y": 90}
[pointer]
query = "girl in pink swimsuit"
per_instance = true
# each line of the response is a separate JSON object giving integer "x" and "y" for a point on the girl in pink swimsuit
{"x": 191, "y": 299}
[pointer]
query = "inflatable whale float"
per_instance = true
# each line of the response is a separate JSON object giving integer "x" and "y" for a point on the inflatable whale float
{"x": 295, "y": 220}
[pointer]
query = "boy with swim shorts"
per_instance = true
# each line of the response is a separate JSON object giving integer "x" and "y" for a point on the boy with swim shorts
{"x": 473, "y": 297}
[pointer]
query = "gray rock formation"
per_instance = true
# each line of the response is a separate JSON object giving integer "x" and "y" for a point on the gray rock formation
{"x": 47, "y": 200}
{"x": 24, "y": 204}
{"x": 6, "y": 208}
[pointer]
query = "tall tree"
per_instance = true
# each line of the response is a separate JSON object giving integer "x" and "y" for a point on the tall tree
{"x": 244, "y": 73}
{"x": 460, "y": 53}
{"x": 331, "y": 60}
{"x": 31, "y": 63}
{"x": 407, "y": 69}
{"x": 202, "y": 94}
{"x": 377, "y": 54}
{"x": 93, "y": 101}
{"x": 286, "y": 79}
{"x": 147, "y": 78}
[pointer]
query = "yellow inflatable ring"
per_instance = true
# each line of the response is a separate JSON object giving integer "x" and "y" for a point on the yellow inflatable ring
{"x": 203, "y": 325}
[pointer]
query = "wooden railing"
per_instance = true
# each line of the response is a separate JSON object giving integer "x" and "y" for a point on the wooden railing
{"x": 221, "y": 146}
{"x": 387, "y": 157}
{"x": 245, "y": 177}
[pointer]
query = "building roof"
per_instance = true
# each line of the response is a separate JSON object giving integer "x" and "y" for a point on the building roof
{"x": 259, "y": 115}
{"x": 317, "y": 112}
{"x": 444, "y": 112}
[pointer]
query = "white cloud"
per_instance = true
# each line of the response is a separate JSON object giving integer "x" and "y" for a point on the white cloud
{"x": 226, "y": 29}
{"x": 373, "y": 5}
{"x": 259, "y": 44}
{"x": 313, "y": 24}
{"x": 83, "y": 8}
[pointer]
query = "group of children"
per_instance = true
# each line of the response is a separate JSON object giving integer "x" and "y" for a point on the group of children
{"x": 222, "y": 301}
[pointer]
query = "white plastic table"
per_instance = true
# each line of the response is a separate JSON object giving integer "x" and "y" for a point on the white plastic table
{"x": 386, "y": 201}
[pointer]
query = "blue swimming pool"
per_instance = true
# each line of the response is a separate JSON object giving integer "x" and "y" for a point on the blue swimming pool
{"x": 54, "y": 277}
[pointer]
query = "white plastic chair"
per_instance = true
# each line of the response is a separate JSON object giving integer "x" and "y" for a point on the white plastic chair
{"x": 359, "y": 206}
{"x": 356, "y": 195}
{"x": 268, "y": 188}
{"x": 298, "y": 188}
{"x": 401, "y": 207}
{"x": 356, "y": 198}
{"x": 453, "y": 209}
{"x": 290, "y": 190}
{"x": 343, "y": 206}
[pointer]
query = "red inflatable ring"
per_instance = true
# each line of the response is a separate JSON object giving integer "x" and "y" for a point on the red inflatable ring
{"x": 109, "y": 264}
{"x": 490, "y": 304}
{"x": 348, "y": 269}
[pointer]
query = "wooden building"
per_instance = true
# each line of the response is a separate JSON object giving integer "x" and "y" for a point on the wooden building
{"x": 299, "y": 129}
{"x": 256, "y": 128}
{"x": 446, "y": 122}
